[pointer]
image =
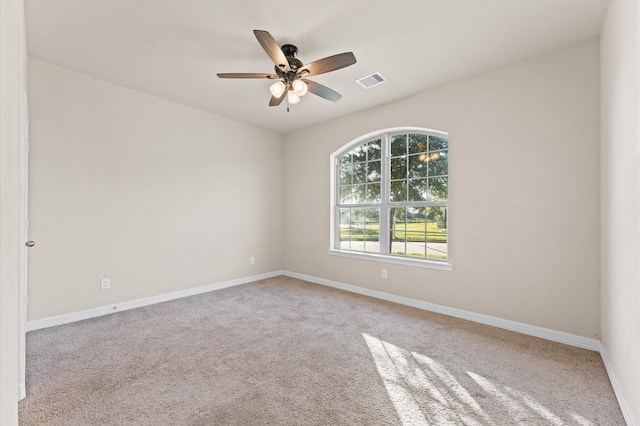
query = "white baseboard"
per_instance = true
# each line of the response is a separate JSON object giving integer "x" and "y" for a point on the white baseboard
{"x": 617, "y": 390}
{"x": 104, "y": 310}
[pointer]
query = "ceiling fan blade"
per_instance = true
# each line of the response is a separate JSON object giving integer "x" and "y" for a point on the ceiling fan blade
{"x": 272, "y": 48}
{"x": 277, "y": 101}
{"x": 322, "y": 91}
{"x": 245, "y": 75}
{"x": 327, "y": 64}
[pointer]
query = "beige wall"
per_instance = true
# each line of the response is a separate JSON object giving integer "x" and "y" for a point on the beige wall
{"x": 154, "y": 195}
{"x": 524, "y": 193}
{"x": 12, "y": 139}
{"x": 620, "y": 175}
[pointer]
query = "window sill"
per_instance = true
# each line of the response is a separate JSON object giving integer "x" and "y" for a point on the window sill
{"x": 429, "y": 264}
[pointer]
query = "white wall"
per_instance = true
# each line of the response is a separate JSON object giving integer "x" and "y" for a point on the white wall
{"x": 620, "y": 177}
{"x": 154, "y": 195}
{"x": 524, "y": 193}
{"x": 12, "y": 139}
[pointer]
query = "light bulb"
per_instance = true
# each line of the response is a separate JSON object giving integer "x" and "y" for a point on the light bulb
{"x": 293, "y": 97}
{"x": 277, "y": 89}
{"x": 300, "y": 87}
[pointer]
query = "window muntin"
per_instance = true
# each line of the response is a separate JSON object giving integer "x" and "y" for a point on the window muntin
{"x": 392, "y": 195}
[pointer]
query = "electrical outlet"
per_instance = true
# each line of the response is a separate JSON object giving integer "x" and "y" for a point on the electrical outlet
{"x": 383, "y": 273}
{"x": 252, "y": 260}
{"x": 105, "y": 284}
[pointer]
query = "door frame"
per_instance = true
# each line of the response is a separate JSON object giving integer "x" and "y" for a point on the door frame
{"x": 23, "y": 256}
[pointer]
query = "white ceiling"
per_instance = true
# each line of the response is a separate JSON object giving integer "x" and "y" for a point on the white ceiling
{"x": 174, "y": 48}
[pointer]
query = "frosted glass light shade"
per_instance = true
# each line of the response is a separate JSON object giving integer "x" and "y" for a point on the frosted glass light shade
{"x": 277, "y": 89}
{"x": 300, "y": 87}
{"x": 293, "y": 97}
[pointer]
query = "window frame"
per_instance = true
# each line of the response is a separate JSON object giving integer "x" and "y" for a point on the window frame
{"x": 385, "y": 204}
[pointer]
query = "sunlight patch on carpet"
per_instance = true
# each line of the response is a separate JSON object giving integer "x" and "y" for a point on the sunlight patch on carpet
{"x": 581, "y": 420}
{"x": 421, "y": 388}
{"x": 519, "y": 405}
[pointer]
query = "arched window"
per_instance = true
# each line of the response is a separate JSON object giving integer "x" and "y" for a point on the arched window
{"x": 390, "y": 196}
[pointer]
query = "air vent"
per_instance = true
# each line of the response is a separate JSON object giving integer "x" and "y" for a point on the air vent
{"x": 371, "y": 80}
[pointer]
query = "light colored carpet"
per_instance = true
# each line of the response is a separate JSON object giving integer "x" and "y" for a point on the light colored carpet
{"x": 287, "y": 352}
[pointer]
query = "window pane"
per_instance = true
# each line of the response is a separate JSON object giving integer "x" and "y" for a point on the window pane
{"x": 437, "y": 233}
{"x": 372, "y": 230}
{"x": 416, "y": 247}
{"x": 345, "y": 218}
{"x": 414, "y": 236}
{"x": 416, "y": 219}
{"x": 359, "y": 193}
{"x": 372, "y": 245}
{"x": 418, "y": 165}
{"x": 345, "y": 174}
{"x": 345, "y": 194}
{"x": 398, "y": 247}
{"x": 398, "y": 191}
{"x": 399, "y": 219}
{"x": 345, "y": 231}
{"x": 439, "y": 163}
{"x": 398, "y": 145}
{"x": 399, "y": 168}
{"x": 374, "y": 150}
{"x": 345, "y": 159}
{"x": 436, "y": 143}
{"x": 357, "y": 239}
{"x": 373, "y": 171}
{"x": 438, "y": 189}
{"x": 359, "y": 172}
{"x": 364, "y": 227}
{"x": 416, "y": 232}
{"x": 397, "y": 232}
{"x": 373, "y": 193}
{"x": 372, "y": 217}
{"x": 437, "y": 251}
{"x": 417, "y": 190}
{"x": 417, "y": 143}
{"x": 359, "y": 153}
{"x": 357, "y": 218}
{"x": 360, "y": 229}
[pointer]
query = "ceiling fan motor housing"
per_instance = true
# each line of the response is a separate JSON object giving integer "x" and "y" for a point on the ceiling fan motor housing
{"x": 289, "y": 50}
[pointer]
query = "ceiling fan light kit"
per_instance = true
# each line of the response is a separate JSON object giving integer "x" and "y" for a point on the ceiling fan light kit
{"x": 292, "y": 73}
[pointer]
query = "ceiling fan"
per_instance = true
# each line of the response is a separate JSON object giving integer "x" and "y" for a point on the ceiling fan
{"x": 291, "y": 72}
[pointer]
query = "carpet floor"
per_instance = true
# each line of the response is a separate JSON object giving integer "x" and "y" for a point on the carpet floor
{"x": 286, "y": 352}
